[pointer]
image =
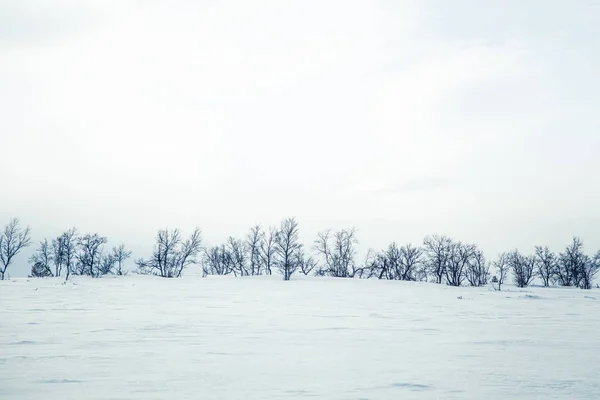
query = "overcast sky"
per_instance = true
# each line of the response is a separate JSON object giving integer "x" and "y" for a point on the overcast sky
{"x": 479, "y": 120}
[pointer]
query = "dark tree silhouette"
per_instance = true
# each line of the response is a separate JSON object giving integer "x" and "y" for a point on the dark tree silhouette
{"x": 307, "y": 264}
{"x": 12, "y": 240}
{"x": 411, "y": 259}
{"x": 217, "y": 261}
{"x": 120, "y": 254}
{"x": 41, "y": 260}
{"x": 58, "y": 255}
{"x": 371, "y": 267}
{"x": 106, "y": 265}
{"x": 565, "y": 268}
{"x": 172, "y": 255}
{"x": 587, "y": 272}
{"x": 254, "y": 243}
{"x": 90, "y": 254}
{"x": 337, "y": 252}
{"x": 545, "y": 264}
{"x": 459, "y": 258}
{"x": 574, "y": 267}
{"x": 287, "y": 246}
{"x": 502, "y": 267}
{"x": 571, "y": 265}
{"x": 395, "y": 263}
{"x": 188, "y": 252}
{"x": 68, "y": 244}
{"x": 478, "y": 270}
{"x": 398, "y": 263}
{"x": 437, "y": 251}
{"x": 267, "y": 250}
{"x": 239, "y": 256}
{"x": 522, "y": 268}
{"x": 389, "y": 262}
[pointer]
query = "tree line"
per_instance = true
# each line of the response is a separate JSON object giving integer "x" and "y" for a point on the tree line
{"x": 72, "y": 253}
{"x": 439, "y": 259}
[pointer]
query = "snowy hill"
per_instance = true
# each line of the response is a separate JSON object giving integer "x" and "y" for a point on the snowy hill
{"x": 261, "y": 338}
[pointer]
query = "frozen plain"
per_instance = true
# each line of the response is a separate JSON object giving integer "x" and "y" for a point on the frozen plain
{"x": 261, "y": 338}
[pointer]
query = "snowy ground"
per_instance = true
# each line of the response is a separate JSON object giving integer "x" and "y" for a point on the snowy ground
{"x": 262, "y": 338}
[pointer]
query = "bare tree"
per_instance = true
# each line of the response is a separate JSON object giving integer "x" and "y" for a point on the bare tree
{"x": 267, "y": 250}
{"x": 287, "y": 247}
{"x": 502, "y": 267}
{"x": 389, "y": 263}
{"x": 321, "y": 246}
{"x": 254, "y": 243}
{"x": 565, "y": 270}
{"x": 337, "y": 252}
{"x": 522, "y": 267}
{"x": 437, "y": 251}
{"x": 58, "y": 255}
{"x": 307, "y": 264}
{"x": 68, "y": 244}
{"x": 207, "y": 261}
{"x": 410, "y": 260}
{"x": 172, "y": 255}
{"x": 345, "y": 242}
{"x": 188, "y": 252}
{"x": 545, "y": 262}
{"x": 397, "y": 263}
{"x": 165, "y": 253}
{"x": 576, "y": 267}
{"x": 120, "y": 255}
{"x": 478, "y": 270}
{"x": 421, "y": 273}
{"x": 90, "y": 255}
{"x": 239, "y": 256}
{"x": 588, "y": 270}
{"x": 106, "y": 265}
{"x": 460, "y": 256}
{"x": 570, "y": 264}
{"x": 371, "y": 266}
{"x": 217, "y": 261}
{"x": 41, "y": 260}
{"x": 12, "y": 240}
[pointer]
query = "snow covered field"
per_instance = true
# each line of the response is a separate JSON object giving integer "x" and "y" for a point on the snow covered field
{"x": 262, "y": 338}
